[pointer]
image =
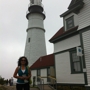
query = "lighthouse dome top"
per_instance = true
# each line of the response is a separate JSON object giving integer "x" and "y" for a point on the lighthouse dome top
{"x": 35, "y": 6}
{"x": 36, "y": 2}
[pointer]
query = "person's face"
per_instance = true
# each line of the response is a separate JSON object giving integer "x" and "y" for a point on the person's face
{"x": 23, "y": 61}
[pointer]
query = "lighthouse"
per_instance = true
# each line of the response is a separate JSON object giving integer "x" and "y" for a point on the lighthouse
{"x": 35, "y": 42}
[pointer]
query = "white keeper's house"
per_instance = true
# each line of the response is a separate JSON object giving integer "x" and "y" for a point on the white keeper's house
{"x": 70, "y": 61}
{"x": 72, "y": 45}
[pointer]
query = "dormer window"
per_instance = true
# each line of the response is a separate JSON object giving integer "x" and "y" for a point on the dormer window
{"x": 70, "y": 22}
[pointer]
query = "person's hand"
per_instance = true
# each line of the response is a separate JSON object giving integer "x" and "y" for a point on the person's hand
{"x": 26, "y": 78}
{"x": 22, "y": 78}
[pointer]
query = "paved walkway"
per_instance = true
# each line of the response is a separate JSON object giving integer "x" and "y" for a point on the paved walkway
{"x": 34, "y": 89}
{"x": 14, "y": 88}
{"x": 46, "y": 87}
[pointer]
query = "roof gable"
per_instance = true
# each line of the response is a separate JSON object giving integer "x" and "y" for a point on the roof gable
{"x": 72, "y": 3}
{"x": 62, "y": 33}
{"x": 75, "y": 6}
{"x": 58, "y": 33}
{"x": 44, "y": 61}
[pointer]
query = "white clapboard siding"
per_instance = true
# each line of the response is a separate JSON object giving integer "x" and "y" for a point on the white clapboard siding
{"x": 34, "y": 73}
{"x": 84, "y": 15}
{"x": 44, "y": 73}
{"x": 86, "y": 43}
{"x": 67, "y": 43}
{"x": 63, "y": 70}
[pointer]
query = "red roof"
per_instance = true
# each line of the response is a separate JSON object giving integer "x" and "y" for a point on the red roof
{"x": 44, "y": 61}
{"x": 61, "y": 32}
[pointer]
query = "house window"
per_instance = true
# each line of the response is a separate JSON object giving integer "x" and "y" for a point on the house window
{"x": 48, "y": 74}
{"x": 70, "y": 22}
{"x": 28, "y": 39}
{"x": 32, "y": 1}
{"x": 38, "y": 74}
{"x": 76, "y": 65}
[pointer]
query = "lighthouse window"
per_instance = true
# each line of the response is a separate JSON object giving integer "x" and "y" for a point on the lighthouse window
{"x": 32, "y": 1}
{"x": 28, "y": 39}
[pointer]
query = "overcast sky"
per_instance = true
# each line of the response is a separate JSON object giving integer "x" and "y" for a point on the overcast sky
{"x": 13, "y": 25}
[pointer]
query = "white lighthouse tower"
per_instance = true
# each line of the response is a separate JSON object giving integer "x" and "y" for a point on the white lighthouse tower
{"x": 35, "y": 42}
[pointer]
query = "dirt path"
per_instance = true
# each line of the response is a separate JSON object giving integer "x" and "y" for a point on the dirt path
{"x": 2, "y": 87}
{"x": 13, "y": 88}
{"x": 10, "y": 87}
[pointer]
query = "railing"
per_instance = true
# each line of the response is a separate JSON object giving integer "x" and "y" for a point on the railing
{"x": 41, "y": 84}
{"x": 53, "y": 82}
{"x": 27, "y": 12}
{"x": 40, "y": 4}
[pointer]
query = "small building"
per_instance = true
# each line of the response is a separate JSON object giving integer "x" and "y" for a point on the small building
{"x": 43, "y": 67}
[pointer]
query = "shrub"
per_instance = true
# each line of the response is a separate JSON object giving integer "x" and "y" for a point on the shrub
{"x": 2, "y": 81}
